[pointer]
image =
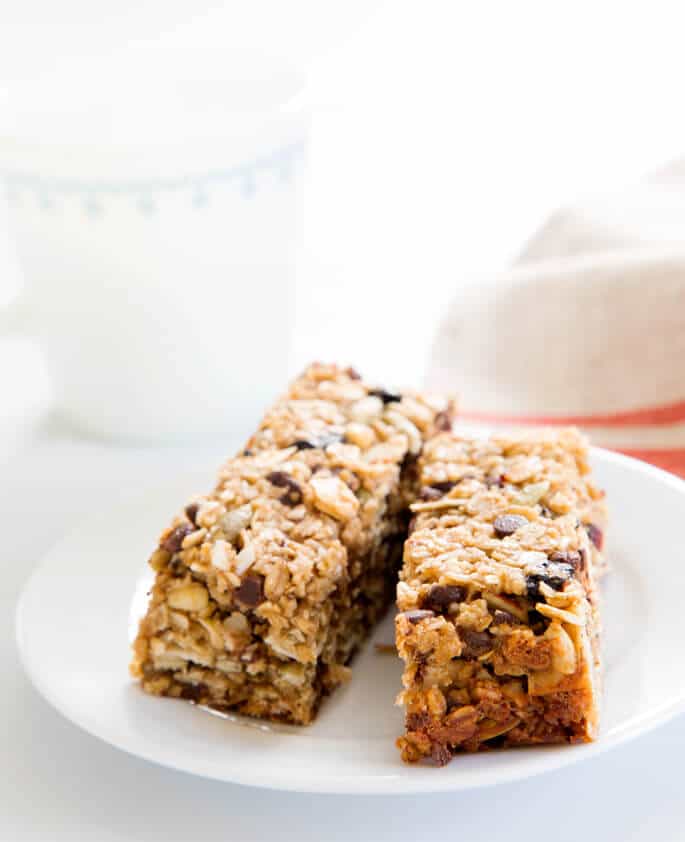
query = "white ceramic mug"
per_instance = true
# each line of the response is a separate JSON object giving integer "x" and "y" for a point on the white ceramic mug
{"x": 155, "y": 224}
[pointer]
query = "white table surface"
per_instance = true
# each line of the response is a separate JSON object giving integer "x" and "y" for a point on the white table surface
{"x": 58, "y": 783}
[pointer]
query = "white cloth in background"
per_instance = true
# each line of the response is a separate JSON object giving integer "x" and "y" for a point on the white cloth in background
{"x": 587, "y": 327}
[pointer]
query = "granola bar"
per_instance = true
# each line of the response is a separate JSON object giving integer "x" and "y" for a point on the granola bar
{"x": 265, "y": 587}
{"x": 498, "y": 622}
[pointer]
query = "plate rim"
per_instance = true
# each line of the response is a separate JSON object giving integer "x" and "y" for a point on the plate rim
{"x": 361, "y": 784}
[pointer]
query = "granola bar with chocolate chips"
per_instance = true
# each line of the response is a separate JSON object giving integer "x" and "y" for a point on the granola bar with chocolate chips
{"x": 266, "y": 586}
{"x": 498, "y": 620}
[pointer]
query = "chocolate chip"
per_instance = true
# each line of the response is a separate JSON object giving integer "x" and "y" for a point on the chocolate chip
{"x": 504, "y": 618}
{"x": 293, "y": 495}
{"x": 475, "y": 643}
{"x": 508, "y": 524}
{"x": 279, "y": 478}
{"x": 172, "y": 543}
{"x": 305, "y": 444}
{"x": 443, "y": 421}
{"x": 191, "y": 512}
{"x": 440, "y": 754}
{"x": 440, "y": 597}
{"x": 409, "y": 461}
{"x": 552, "y": 573}
{"x": 247, "y": 452}
{"x": 251, "y": 591}
{"x": 193, "y": 692}
{"x": 386, "y": 397}
{"x": 321, "y": 442}
{"x": 443, "y": 487}
{"x": 537, "y": 621}
{"x": 595, "y": 534}
{"x": 417, "y": 615}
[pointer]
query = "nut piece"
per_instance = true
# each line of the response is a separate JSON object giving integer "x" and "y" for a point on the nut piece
{"x": 416, "y": 615}
{"x": 220, "y": 555}
{"x": 245, "y": 559}
{"x": 367, "y": 408}
{"x": 333, "y": 496}
{"x": 532, "y": 493}
{"x": 192, "y": 597}
{"x": 235, "y": 520}
{"x": 404, "y": 425}
{"x": 360, "y": 434}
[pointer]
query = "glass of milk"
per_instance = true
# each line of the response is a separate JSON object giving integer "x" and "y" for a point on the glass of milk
{"x": 153, "y": 205}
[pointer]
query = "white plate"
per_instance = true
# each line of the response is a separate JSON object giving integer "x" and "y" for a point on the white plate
{"x": 75, "y": 618}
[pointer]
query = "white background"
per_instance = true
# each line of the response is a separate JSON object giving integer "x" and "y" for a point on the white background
{"x": 443, "y": 133}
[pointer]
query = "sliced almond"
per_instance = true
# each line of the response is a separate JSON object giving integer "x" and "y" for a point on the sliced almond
{"x": 334, "y": 497}
{"x": 191, "y": 597}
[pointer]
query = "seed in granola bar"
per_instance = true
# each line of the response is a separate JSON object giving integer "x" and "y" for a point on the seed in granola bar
{"x": 386, "y": 397}
{"x": 508, "y": 524}
{"x": 191, "y": 512}
{"x": 595, "y": 534}
{"x": 173, "y": 541}
{"x": 251, "y": 591}
{"x": 440, "y": 597}
{"x": 247, "y": 452}
{"x": 293, "y": 494}
{"x": 352, "y": 373}
{"x": 443, "y": 421}
{"x": 496, "y": 481}
{"x": 417, "y": 615}
{"x": 429, "y": 493}
{"x": 475, "y": 643}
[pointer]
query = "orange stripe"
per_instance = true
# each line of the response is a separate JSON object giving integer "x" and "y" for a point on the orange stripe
{"x": 669, "y": 460}
{"x": 653, "y": 416}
